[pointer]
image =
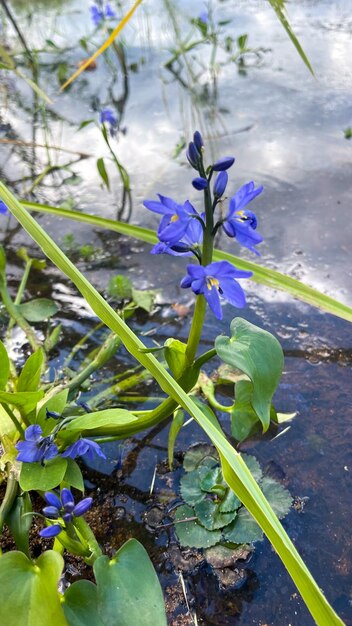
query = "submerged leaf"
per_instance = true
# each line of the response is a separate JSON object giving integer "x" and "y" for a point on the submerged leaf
{"x": 191, "y": 534}
{"x": 244, "y": 529}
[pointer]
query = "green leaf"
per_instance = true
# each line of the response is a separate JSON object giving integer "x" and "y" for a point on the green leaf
{"x": 80, "y": 604}
{"x": 191, "y": 491}
{"x": 19, "y": 522}
{"x": 261, "y": 275}
{"x": 98, "y": 423}
{"x": 176, "y": 425}
{"x": 55, "y": 403}
{"x": 73, "y": 475}
{"x": 144, "y": 298}
{"x": 191, "y": 534}
{"x": 230, "y": 502}
{"x": 28, "y": 590}
{"x": 259, "y": 355}
{"x": 279, "y": 8}
{"x": 235, "y": 470}
{"x": 196, "y": 453}
{"x": 244, "y": 529}
{"x": 38, "y": 310}
{"x": 253, "y": 466}
{"x": 127, "y": 592}
{"x": 120, "y": 287}
{"x": 42, "y": 477}
{"x": 279, "y": 497}
{"x": 244, "y": 419}
{"x": 212, "y": 478}
{"x": 5, "y": 366}
{"x": 52, "y": 339}
{"x": 210, "y": 516}
{"x": 29, "y": 377}
{"x": 175, "y": 356}
{"x": 25, "y": 401}
{"x": 103, "y": 173}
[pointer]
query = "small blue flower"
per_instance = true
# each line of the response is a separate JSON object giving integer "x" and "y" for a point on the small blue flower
{"x": 198, "y": 141}
{"x": 62, "y": 508}
{"x": 220, "y": 184}
{"x": 84, "y": 446}
{"x": 223, "y": 164}
{"x": 175, "y": 220}
{"x": 100, "y": 13}
{"x": 108, "y": 116}
{"x": 200, "y": 183}
{"x": 35, "y": 448}
{"x": 3, "y": 208}
{"x": 215, "y": 280}
{"x": 204, "y": 17}
{"x": 240, "y": 222}
{"x": 189, "y": 244}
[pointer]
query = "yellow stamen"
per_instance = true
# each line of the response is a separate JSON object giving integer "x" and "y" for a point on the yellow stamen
{"x": 212, "y": 282}
{"x": 174, "y": 218}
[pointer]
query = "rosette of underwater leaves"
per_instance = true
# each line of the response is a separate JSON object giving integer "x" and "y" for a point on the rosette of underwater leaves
{"x": 35, "y": 448}
{"x": 189, "y": 244}
{"x": 63, "y": 508}
{"x": 3, "y": 208}
{"x": 242, "y": 223}
{"x": 100, "y": 12}
{"x": 176, "y": 218}
{"x": 216, "y": 280}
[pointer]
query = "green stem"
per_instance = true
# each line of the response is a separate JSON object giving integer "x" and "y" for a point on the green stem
{"x": 21, "y": 288}
{"x": 86, "y": 532}
{"x": 14, "y": 419}
{"x": 14, "y": 313}
{"x": 9, "y": 497}
{"x": 196, "y": 328}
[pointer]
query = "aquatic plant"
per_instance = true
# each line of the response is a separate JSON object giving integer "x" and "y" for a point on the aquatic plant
{"x": 255, "y": 352}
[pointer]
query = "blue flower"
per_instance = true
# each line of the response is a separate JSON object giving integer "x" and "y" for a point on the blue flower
{"x": 215, "y": 280}
{"x": 63, "y": 508}
{"x": 35, "y": 448}
{"x": 240, "y": 222}
{"x": 107, "y": 115}
{"x": 188, "y": 245}
{"x": 204, "y": 17}
{"x": 3, "y": 208}
{"x": 175, "y": 220}
{"x": 84, "y": 446}
{"x": 193, "y": 155}
{"x": 99, "y": 13}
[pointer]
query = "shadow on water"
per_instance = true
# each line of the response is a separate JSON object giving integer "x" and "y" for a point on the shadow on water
{"x": 286, "y": 130}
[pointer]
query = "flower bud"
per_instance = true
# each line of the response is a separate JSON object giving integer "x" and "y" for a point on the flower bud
{"x": 198, "y": 141}
{"x": 193, "y": 155}
{"x": 223, "y": 164}
{"x": 220, "y": 184}
{"x": 82, "y": 507}
{"x": 200, "y": 183}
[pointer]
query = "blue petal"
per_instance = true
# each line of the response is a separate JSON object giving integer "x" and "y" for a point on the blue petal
{"x": 233, "y": 292}
{"x": 28, "y": 452}
{"x": 33, "y": 432}
{"x": 53, "y": 499}
{"x": 223, "y": 164}
{"x": 3, "y": 208}
{"x": 67, "y": 498}
{"x": 82, "y": 507}
{"x": 51, "y": 511}
{"x": 213, "y": 299}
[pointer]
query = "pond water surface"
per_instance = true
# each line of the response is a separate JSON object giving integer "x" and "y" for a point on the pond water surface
{"x": 285, "y": 128}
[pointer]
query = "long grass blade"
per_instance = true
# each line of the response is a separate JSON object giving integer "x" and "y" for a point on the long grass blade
{"x": 262, "y": 275}
{"x": 236, "y": 471}
{"x": 103, "y": 47}
{"x": 279, "y": 8}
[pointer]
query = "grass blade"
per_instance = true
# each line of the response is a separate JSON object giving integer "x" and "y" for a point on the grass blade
{"x": 279, "y": 8}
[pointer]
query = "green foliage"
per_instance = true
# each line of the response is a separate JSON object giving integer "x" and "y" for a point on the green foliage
{"x": 29, "y": 377}
{"x": 5, "y": 366}
{"x": 120, "y": 287}
{"x": 28, "y": 590}
{"x": 279, "y": 8}
{"x": 175, "y": 356}
{"x": 103, "y": 422}
{"x": 35, "y": 476}
{"x": 103, "y": 173}
{"x": 38, "y": 310}
{"x": 176, "y": 425}
{"x": 348, "y": 133}
{"x": 127, "y": 592}
{"x": 259, "y": 355}
{"x": 218, "y": 512}
{"x": 19, "y": 522}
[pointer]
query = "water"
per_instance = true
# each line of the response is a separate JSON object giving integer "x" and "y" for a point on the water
{"x": 285, "y": 128}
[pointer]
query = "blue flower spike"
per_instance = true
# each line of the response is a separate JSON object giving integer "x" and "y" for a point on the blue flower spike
{"x": 63, "y": 508}
{"x": 176, "y": 217}
{"x": 101, "y": 12}
{"x": 35, "y": 448}
{"x": 215, "y": 280}
{"x": 189, "y": 244}
{"x": 83, "y": 447}
{"x": 3, "y": 208}
{"x": 240, "y": 222}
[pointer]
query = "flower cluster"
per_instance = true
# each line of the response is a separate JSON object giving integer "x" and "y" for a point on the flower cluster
{"x": 63, "y": 509}
{"x": 100, "y": 12}
{"x": 181, "y": 229}
{"x": 37, "y": 449}
{"x": 107, "y": 116}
